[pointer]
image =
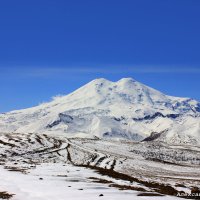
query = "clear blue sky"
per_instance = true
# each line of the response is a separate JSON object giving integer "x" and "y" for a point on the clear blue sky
{"x": 50, "y": 47}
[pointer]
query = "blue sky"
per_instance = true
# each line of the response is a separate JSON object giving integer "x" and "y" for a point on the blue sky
{"x": 51, "y": 47}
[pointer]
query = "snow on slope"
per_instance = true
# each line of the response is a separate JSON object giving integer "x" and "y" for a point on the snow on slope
{"x": 75, "y": 185}
{"x": 123, "y": 109}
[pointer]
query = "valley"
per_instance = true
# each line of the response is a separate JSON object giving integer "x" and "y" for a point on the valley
{"x": 139, "y": 167}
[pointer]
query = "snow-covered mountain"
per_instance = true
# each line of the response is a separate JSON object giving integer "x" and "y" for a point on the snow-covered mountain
{"x": 124, "y": 109}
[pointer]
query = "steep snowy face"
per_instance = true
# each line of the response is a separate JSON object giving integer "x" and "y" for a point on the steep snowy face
{"x": 123, "y": 109}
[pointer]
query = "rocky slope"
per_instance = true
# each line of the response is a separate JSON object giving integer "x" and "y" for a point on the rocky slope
{"x": 149, "y": 168}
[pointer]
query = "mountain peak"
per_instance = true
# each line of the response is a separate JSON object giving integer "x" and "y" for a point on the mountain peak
{"x": 100, "y": 81}
{"x": 122, "y": 80}
{"x": 126, "y": 80}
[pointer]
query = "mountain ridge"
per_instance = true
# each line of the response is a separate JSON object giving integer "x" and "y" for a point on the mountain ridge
{"x": 126, "y": 109}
